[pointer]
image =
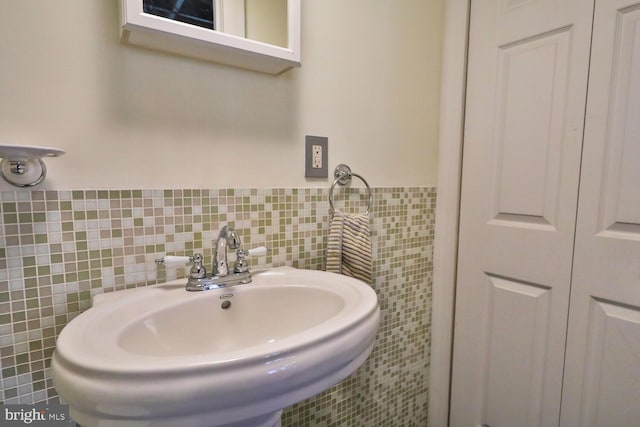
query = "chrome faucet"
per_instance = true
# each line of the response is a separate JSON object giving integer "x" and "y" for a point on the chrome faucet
{"x": 221, "y": 276}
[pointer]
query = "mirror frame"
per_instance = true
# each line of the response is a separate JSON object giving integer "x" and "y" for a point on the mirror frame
{"x": 155, "y": 32}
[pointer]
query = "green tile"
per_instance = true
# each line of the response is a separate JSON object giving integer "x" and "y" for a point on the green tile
{"x": 18, "y": 316}
{"x": 29, "y": 271}
{"x": 9, "y": 207}
{"x": 25, "y": 218}
{"x": 9, "y": 372}
{"x": 106, "y": 253}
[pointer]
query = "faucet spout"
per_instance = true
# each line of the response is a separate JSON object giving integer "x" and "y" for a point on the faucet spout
{"x": 227, "y": 238}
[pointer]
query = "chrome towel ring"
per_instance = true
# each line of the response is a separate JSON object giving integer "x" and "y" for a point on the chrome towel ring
{"x": 343, "y": 176}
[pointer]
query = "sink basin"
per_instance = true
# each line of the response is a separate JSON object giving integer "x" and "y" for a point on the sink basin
{"x": 235, "y": 356}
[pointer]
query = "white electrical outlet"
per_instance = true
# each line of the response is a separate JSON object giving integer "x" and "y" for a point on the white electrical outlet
{"x": 316, "y": 157}
{"x": 316, "y": 150}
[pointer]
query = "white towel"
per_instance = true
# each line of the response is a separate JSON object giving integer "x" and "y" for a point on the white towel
{"x": 349, "y": 246}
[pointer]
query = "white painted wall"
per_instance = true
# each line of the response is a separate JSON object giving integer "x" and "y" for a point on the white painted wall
{"x": 135, "y": 118}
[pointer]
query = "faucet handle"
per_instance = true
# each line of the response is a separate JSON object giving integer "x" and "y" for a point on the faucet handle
{"x": 173, "y": 259}
{"x": 197, "y": 269}
{"x": 259, "y": 251}
{"x": 241, "y": 264}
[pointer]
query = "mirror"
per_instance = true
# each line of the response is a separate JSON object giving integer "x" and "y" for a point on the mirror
{"x": 262, "y": 35}
{"x": 261, "y": 20}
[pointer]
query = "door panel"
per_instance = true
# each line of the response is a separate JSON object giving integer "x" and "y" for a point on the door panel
{"x": 602, "y": 373}
{"x": 622, "y": 150}
{"x": 612, "y": 371}
{"x": 526, "y": 91}
{"x": 518, "y": 347}
{"x": 531, "y": 95}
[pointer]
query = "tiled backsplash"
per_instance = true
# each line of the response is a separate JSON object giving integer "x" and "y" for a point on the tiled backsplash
{"x": 58, "y": 248}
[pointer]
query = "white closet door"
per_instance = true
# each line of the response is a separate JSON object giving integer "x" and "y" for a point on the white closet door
{"x": 602, "y": 374}
{"x": 527, "y": 77}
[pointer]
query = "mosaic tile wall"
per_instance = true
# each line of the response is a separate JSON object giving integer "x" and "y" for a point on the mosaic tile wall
{"x": 59, "y": 248}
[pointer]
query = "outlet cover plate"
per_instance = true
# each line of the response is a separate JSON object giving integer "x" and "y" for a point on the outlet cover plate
{"x": 309, "y": 170}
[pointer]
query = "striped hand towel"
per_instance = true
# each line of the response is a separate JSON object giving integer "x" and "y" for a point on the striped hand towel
{"x": 349, "y": 246}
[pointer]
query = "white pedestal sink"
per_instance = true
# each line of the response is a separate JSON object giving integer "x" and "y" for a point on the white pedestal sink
{"x": 162, "y": 356}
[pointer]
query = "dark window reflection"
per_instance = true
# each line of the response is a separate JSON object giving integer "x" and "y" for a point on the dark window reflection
{"x": 195, "y": 12}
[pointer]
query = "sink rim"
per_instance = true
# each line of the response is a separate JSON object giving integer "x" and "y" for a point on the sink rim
{"x": 100, "y": 351}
